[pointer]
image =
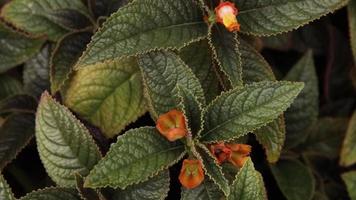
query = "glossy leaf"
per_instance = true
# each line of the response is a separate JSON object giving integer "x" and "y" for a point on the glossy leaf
{"x": 208, "y": 190}
{"x": 67, "y": 52}
{"x": 144, "y": 25}
{"x": 305, "y": 109}
{"x": 351, "y": 10}
{"x": 272, "y": 17}
{"x": 294, "y": 179}
{"x": 240, "y": 111}
{"x": 136, "y": 156}
{"x": 64, "y": 144}
{"x": 162, "y": 72}
{"x": 350, "y": 181}
{"x": 21, "y": 103}
{"x": 248, "y": 184}
{"x": 52, "y": 18}
{"x": 9, "y": 86}
{"x": 15, "y": 134}
{"x": 15, "y": 48}
{"x": 54, "y": 193}
{"x": 348, "y": 150}
{"x": 5, "y": 190}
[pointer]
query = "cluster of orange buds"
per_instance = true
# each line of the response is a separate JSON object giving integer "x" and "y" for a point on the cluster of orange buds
{"x": 172, "y": 125}
{"x": 191, "y": 174}
{"x": 226, "y": 13}
{"x": 237, "y": 154}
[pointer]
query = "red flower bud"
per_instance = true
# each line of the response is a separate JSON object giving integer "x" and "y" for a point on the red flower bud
{"x": 220, "y": 151}
{"x": 191, "y": 174}
{"x": 226, "y": 14}
{"x": 172, "y": 125}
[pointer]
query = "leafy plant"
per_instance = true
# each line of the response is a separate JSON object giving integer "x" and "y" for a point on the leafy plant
{"x": 172, "y": 99}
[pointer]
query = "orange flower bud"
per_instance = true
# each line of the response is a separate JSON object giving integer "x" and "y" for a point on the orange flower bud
{"x": 220, "y": 151}
{"x": 172, "y": 125}
{"x": 191, "y": 174}
{"x": 240, "y": 153}
{"x": 226, "y": 14}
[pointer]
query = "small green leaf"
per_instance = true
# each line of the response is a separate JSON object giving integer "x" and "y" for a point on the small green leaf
{"x": 5, "y": 190}
{"x": 144, "y": 25}
{"x": 350, "y": 181}
{"x": 348, "y": 150}
{"x": 305, "y": 109}
{"x": 155, "y": 188}
{"x": 66, "y": 53}
{"x": 208, "y": 190}
{"x": 109, "y": 95}
{"x": 239, "y": 111}
{"x": 15, "y": 48}
{"x": 198, "y": 57}
{"x": 136, "y": 156}
{"x": 213, "y": 169}
{"x": 36, "y": 73}
{"x": 9, "y": 86}
{"x": 351, "y": 10}
{"x": 294, "y": 179}
{"x": 52, "y": 18}
{"x": 21, "y": 103}
{"x": 225, "y": 46}
{"x": 64, "y": 144}
{"x": 15, "y": 134}
{"x": 273, "y": 17}
{"x": 54, "y": 193}
{"x": 248, "y": 184}
{"x": 162, "y": 72}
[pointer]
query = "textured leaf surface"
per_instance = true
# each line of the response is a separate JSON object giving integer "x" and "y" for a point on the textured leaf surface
{"x": 36, "y": 73}
{"x": 15, "y": 134}
{"x": 198, "y": 57}
{"x": 213, "y": 169}
{"x": 162, "y": 71}
{"x": 64, "y": 144}
{"x": 54, "y": 18}
{"x": 15, "y": 48}
{"x": 5, "y": 190}
{"x": 294, "y": 179}
{"x": 305, "y": 109}
{"x": 225, "y": 47}
{"x": 348, "y": 151}
{"x": 276, "y": 16}
{"x": 53, "y": 194}
{"x": 109, "y": 95}
{"x": 351, "y": 10}
{"x": 248, "y": 184}
{"x": 350, "y": 181}
{"x": 9, "y": 86}
{"x": 18, "y": 103}
{"x": 208, "y": 190}
{"x": 155, "y": 188}
{"x": 65, "y": 55}
{"x": 136, "y": 156}
{"x": 256, "y": 69}
{"x": 239, "y": 111}
{"x": 144, "y": 25}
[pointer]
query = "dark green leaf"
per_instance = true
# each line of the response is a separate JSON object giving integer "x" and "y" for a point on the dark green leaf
{"x": 351, "y": 9}
{"x": 53, "y": 193}
{"x": 350, "y": 181}
{"x": 87, "y": 193}
{"x": 348, "y": 150}
{"x": 208, "y": 190}
{"x": 18, "y": 103}
{"x": 5, "y": 190}
{"x": 9, "y": 86}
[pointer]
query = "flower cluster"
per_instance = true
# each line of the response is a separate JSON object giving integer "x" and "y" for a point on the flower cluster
{"x": 236, "y": 154}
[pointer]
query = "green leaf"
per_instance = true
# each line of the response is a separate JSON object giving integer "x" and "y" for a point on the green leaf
{"x": 157, "y": 24}
{"x": 273, "y": 17}
{"x": 15, "y": 134}
{"x": 15, "y": 48}
{"x": 198, "y": 57}
{"x": 54, "y": 193}
{"x": 208, "y": 190}
{"x": 256, "y": 69}
{"x": 67, "y": 52}
{"x": 136, "y": 156}
{"x": 351, "y": 10}
{"x": 48, "y": 17}
{"x": 294, "y": 179}
{"x": 248, "y": 184}
{"x": 109, "y": 95}
{"x": 213, "y": 169}
{"x": 36, "y": 73}
{"x": 350, "y": 181}
{"x": 305, "y": 109}
{"x": 225, "y": 46}
{"x": 240, "y": 111}
{"x": 87, "y": 193}
{"x": 9, "y": 86}
{"x": 64, "y": 144}
{"x": 348, "y": 150}
{"x": 162, "y": 72}
{"x": 5, "y": 190}
{"x": 21, "y": 103}
{"x": 155, "y": 188}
